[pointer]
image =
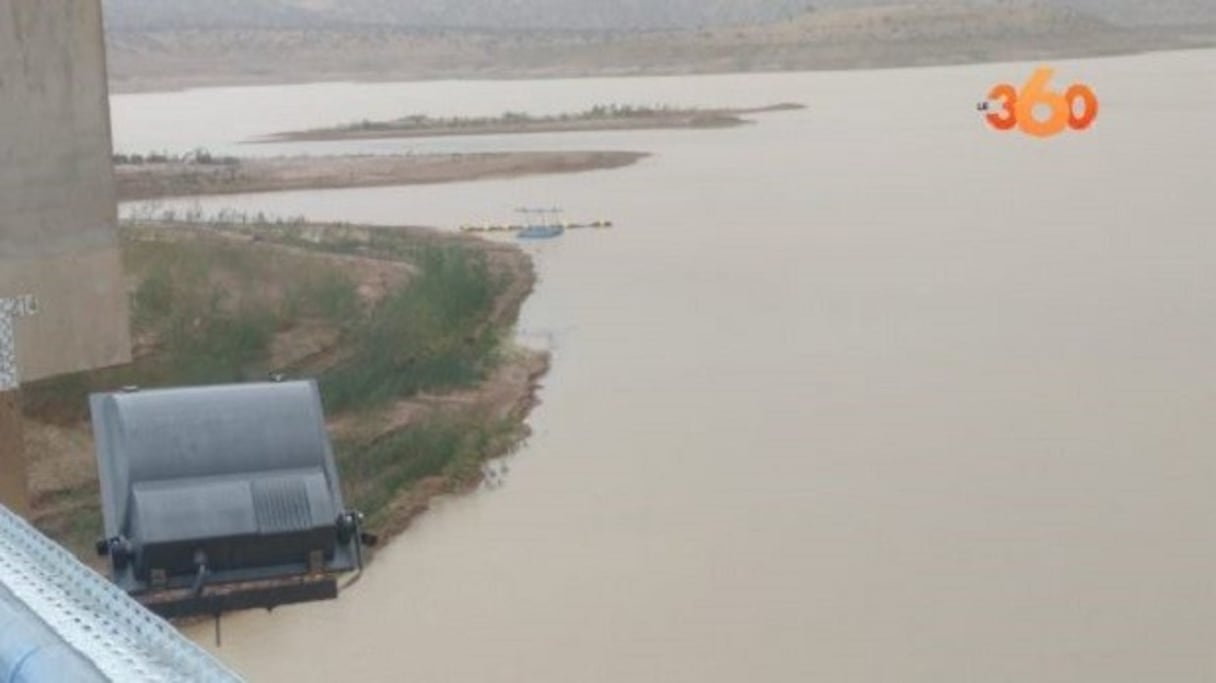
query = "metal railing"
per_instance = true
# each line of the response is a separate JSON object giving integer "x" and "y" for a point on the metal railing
{"x": 124, "y": 641}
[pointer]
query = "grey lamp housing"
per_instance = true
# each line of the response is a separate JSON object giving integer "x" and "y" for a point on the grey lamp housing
{"x": 211, "y": 486}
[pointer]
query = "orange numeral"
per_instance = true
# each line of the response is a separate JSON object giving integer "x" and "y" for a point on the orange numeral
{"x": 1083, "y": 93}
{"x": 1007, "y": 118}
{"x": 1019, "y": 108}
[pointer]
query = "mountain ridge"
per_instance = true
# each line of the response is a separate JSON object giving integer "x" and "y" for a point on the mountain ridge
{"x": 581, "y": 15}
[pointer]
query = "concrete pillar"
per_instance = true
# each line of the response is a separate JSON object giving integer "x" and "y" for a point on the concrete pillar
{"x": 58, "y": 235}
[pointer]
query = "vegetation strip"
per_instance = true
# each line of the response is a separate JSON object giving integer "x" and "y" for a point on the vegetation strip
{"x": 597, "y": 118}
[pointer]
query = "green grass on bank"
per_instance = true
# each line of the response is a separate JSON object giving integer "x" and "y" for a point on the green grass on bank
{"x": 210, "y": 310}
{"x": 431, "y": 335}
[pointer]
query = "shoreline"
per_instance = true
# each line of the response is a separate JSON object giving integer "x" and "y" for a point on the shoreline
{"x": 178, "y": 178}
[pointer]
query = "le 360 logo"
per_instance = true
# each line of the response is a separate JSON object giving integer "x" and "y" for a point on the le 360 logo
{"x": 1038, "y": 110}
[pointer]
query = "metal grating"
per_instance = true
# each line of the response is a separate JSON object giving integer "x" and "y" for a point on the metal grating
{"x": 121, "y": 638}
{"x": 10, "y": 310}
{"x": 281, "y": 505}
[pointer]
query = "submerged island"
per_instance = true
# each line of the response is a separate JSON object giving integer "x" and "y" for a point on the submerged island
{"x": 157, "y": 176}
{"x": 597, "y": 118}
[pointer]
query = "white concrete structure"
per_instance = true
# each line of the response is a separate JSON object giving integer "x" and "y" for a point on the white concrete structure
{"x": 58, "y": 238}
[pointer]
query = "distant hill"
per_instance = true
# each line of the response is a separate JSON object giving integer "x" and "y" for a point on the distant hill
{"x": 145, "y": 15}
{"x": 157, "y": 44}
{"x": 595, "y": 15}
{"x": 1150, "y": 12}
{"x": 1139, "y": 13}
{"x": 598, "y": 15}
{"x": 562, "y": 14}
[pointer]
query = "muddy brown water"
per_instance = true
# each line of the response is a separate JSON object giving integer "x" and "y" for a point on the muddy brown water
{"x": 865, "y": 392}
